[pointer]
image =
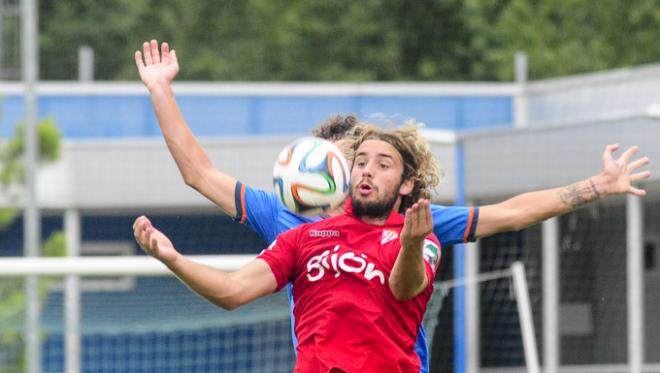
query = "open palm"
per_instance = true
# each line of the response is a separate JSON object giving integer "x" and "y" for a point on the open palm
{"x": 156, "y": 66}
{"x": 620, "y": 173}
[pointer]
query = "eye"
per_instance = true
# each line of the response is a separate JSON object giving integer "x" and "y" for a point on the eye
{"x": 384, "y": 166}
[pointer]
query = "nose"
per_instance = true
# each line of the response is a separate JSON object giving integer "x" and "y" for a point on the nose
{"x": 367, "y": 171}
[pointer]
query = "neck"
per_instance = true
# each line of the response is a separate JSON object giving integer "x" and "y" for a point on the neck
{"x": 336, "y": 211}
{"x": 373, "y": 221}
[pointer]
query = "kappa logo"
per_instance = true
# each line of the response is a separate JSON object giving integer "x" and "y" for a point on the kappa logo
{"x": 324, "y": 233}
{"x": 388, "y": 235}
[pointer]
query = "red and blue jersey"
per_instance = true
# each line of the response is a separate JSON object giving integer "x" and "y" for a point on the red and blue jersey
{"x": 346, "y": 315}
{"x": 268, "y": 217}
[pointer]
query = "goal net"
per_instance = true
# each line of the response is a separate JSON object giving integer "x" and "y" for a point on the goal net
{"x": 129, "y": 314}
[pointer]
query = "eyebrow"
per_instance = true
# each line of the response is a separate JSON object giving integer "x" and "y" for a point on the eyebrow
{"x": 377, "y": 155}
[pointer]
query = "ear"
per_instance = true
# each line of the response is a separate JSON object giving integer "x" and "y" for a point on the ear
{"x": 406, "y": 187}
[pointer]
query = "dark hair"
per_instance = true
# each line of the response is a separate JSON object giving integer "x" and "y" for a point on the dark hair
{"x": 336, "y": 127}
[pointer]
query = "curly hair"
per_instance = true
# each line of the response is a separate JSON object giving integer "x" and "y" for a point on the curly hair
{"x": 336, "y": 127}
{"x": 419, "y": 165}
{"x": 343, "y": 131}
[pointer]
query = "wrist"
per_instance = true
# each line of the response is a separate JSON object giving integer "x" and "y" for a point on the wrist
{"x": 599, "y": 185}
{"x": 159, "y": 86}
{"x": 411, "y": 242}
{"x": 172, "y": 261}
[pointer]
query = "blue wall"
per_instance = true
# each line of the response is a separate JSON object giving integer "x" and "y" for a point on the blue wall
{"x": 116, "y": 116}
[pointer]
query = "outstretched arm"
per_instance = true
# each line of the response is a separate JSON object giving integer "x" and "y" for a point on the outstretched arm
{"x": 225, "y": 289}
{"x": 526, "y": 209}
{"x": 157, "y": 70}
{"x": 408, "y": 277}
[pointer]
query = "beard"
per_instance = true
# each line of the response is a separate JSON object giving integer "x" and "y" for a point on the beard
{"x": 374, "y": 209}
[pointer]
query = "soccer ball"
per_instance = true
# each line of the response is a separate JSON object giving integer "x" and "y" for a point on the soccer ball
{"x": 311, "y": 176}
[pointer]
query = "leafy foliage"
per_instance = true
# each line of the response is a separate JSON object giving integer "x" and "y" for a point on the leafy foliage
{"x": 12, "y": 292}
{"x": 12, "y": 170}
{"x": 343, "y": 40}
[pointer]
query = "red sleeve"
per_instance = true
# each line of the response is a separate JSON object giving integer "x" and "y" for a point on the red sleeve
{"x": 281, "y": 257}
{"x": 432, "y": 254}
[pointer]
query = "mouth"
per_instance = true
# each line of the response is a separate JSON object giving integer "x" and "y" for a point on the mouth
{"x": 365, "y": 188}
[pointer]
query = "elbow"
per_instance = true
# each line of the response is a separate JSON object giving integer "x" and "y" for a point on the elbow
{"x": 404, "y": 293}
{"x": 194, "y": 174}
{"x": 230, "y": 306}
{"x": 190, "y": 180}
{"x": 403, "y": 296}
{"x": 194, "y": 179}
{"x": 226, "y": 303}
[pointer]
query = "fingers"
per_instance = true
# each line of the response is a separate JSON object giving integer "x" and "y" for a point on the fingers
{"x": 173, "y": 59}
{"x": 165, "y": 53}
{"x": 638, "y": 192}
{"x": 142, "y": 229}
{"x": 625, "y": 157}
{"x": 609, "y": 149}
{"x": 141, "y": 221}
{"x": 418, "y": 218}
{"x": 138, "y": 60}
{"x": 150, "y": 54}
{"x": 146, "y": 50}
{"x": 423, "y": 212}
{"x": 155, "y": 54}
{"x": 640, "y": 176}
{"x": 153, "y": 242}
{"x": 638, "y": 163}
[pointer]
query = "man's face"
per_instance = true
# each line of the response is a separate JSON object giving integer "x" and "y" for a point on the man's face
{"x": 376, "y": 184}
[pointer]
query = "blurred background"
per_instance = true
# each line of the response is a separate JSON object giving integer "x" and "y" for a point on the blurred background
{"x": 515, "y": 95}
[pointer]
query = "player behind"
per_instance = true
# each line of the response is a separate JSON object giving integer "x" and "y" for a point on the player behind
{"x": 361, "y": 280}
{"x": 267, "y": 216}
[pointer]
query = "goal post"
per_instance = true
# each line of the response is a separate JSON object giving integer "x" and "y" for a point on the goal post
{"x": 515, "y": 279}
{"x": 156, "y": 322}
{"x": 109, "y": 265}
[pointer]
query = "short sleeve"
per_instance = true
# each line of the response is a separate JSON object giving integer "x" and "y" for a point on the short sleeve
{"x": 281, "y": 257}
{"x": 454, "y": 225}
{"x": 432, "y": 254}
{"x": 258, "y": 209}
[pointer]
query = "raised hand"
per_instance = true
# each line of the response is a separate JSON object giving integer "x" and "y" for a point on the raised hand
{"x": 418, "y": 224}
{"x": 153, "y": 241}
{"x": 619, "y": 174}
{"x": 157, "y": 67}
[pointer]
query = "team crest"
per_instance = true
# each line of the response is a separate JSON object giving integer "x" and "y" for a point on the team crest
{"x": 388, "y": 235}
{"x": 431, "y": 253}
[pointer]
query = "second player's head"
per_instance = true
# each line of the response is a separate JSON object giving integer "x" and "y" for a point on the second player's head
{"x": 342, "y": 130}
{"x": 391, "y": 170}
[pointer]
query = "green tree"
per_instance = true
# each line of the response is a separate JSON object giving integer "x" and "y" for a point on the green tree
{"x": 370, "y": 40}
{"x": 561, "y": 37}
{"x": 12, "y": 177}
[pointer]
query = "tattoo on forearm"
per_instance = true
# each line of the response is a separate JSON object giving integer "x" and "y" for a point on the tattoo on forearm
{"x": 577, "y": 195}
{"x": 593, "y": 189}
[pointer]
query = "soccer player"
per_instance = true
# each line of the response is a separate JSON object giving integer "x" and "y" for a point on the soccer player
{"x": 264, "y": 213}
{"x": 361, "y": 280}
